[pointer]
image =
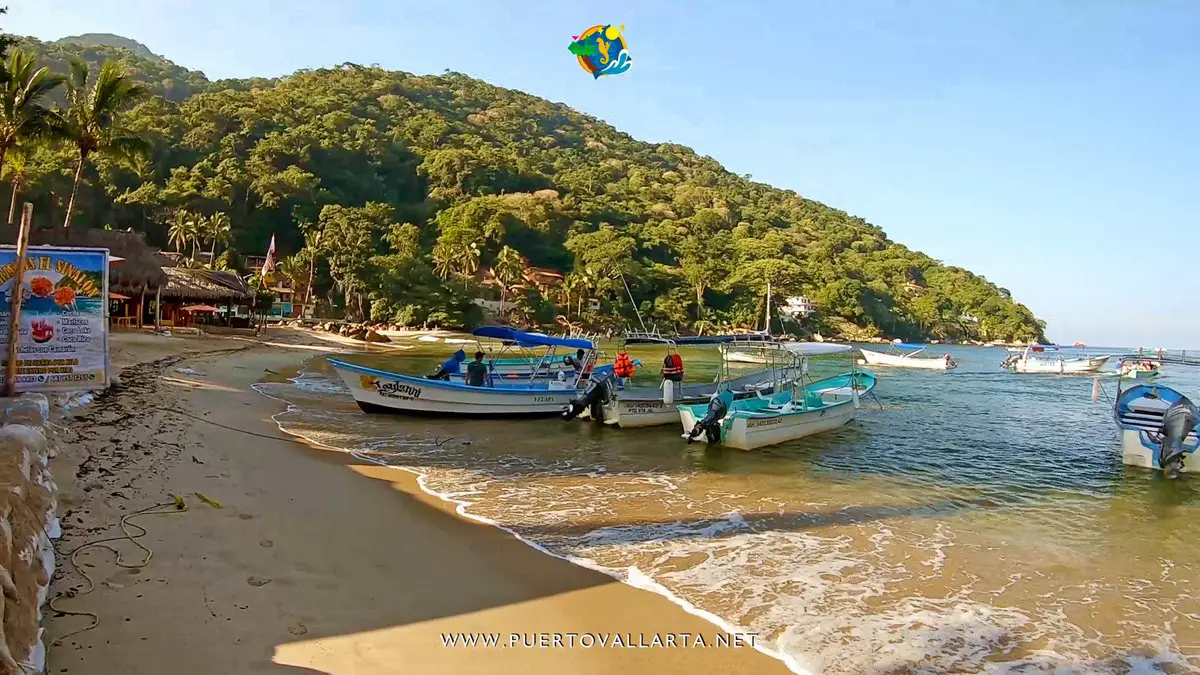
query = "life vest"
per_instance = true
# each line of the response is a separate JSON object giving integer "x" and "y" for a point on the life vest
{"x": 623, "y": 366}
{"x": 673, "y": 368}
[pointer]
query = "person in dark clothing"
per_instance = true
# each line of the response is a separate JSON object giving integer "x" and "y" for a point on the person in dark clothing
{"x": 449, "y": 367}
{"x": 575, "y": 362}
{"x": 477, "y": 371}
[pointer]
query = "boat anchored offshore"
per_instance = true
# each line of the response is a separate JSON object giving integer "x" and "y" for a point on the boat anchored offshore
{"x": 502, "y": 396}
{"x": 803, "y": 409}
{"x": 1033, "y": 360}
{"x": 607, "y": 400}
{"x": 912, "y": 358}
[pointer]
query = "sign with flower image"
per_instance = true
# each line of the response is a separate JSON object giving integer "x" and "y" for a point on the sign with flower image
{"x": 63, "y": 336}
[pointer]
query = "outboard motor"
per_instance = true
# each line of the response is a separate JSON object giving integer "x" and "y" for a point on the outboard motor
{"x": 1178, "y": 421}
{"x": 710, "y": 424}
{"x": 595, "y": 395}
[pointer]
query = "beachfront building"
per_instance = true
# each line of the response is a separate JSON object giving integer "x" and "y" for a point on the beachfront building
{"x": 204, "y": 298}
{"x": 135, "y": 274}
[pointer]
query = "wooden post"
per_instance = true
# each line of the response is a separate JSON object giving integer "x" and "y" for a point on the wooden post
{"x": 158, "y": 309}
{"x": 141, "y": 307}
{"x": 18, "y": 286}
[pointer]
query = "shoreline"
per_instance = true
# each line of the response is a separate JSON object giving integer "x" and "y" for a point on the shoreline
{"x": 634, "y": 578}
{"x": 324, "y": 546}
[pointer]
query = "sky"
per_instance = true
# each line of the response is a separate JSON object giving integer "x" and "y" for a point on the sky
{"x": 1050, "y": 145}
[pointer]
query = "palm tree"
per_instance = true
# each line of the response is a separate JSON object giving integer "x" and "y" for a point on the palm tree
{"x": 218, "y": 229}
{"x": 182, "y": 231}
{"x": 17, "y": 173}
{"x": 92, "y": 115}
{"x": 509, "y": 266}
{"x": 312, "y": 244}
{"x": 22, "y": 116}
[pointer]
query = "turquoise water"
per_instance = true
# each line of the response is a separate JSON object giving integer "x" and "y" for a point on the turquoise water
{"x": 973, "y": 521}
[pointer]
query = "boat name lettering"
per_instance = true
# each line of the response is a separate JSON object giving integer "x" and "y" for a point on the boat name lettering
{"x": 764, "y": 423}
{"x": 397, "y": 390}
{"x": 543, "y": 399}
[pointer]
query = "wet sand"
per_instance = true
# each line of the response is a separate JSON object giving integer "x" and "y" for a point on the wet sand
{"x": 313, "y": 563}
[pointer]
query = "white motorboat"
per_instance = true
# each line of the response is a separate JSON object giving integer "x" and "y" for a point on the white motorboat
{"x": 898, "y": 357}
{"x": 1158, "y": 429}
{"x": 1035, "y": 359}
{"x": 378, "y": 390}
{"x": 800, "y": 410}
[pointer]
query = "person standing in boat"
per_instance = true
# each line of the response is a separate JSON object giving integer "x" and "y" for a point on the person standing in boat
{"x": 477, "y": 371}
{"x": 623, "y": 367}
{"x": 450, "y": 366}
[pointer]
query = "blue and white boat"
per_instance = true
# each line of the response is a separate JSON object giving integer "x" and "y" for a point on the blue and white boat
{"x": 801, "y": 410}
{"x": 1158, "y": 428}
{"x": 534, "y": 395}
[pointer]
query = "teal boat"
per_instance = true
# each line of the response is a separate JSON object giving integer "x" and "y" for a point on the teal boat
{"x": 798, "y": 411}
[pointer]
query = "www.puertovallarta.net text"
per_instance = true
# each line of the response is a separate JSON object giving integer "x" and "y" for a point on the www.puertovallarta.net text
{"x": 600, "y": 640}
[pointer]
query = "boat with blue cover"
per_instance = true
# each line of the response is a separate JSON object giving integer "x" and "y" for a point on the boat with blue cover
{"x": 535, "y": 394}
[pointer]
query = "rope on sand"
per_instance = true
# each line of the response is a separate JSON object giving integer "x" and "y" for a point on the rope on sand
{"x": 177, "y": 505}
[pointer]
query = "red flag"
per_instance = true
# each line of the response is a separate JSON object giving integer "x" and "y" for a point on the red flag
{"x": 269, "y": 263}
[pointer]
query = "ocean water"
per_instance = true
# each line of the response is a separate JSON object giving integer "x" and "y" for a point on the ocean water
{"x": 971, "y": 521}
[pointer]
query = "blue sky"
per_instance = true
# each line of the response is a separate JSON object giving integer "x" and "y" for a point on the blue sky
{"x": 1051, "y": 146}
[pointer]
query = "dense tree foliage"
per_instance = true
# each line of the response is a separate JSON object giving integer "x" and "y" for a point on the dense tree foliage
{"x": 402, "y": 195}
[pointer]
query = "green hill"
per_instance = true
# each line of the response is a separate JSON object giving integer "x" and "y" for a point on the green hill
{"x": 164, "y": 78}
{"x": 420, "y": 186}
{"x": 110, "y": 40}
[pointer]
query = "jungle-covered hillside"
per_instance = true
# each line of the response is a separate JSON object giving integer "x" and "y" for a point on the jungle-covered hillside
{"x": 406, "y": 196}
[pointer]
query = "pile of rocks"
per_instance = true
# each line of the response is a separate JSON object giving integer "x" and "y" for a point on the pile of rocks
{"x": 367, "y": 332}
{"x": 27, "y": 523}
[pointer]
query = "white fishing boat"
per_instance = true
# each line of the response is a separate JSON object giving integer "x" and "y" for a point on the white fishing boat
{"x": 626, "y": 406}
{"x": 378, "y": 390}
{"x": 803, "y": 409}
{"x": 1037, "y": 359}
{"x": 902, "y": 355}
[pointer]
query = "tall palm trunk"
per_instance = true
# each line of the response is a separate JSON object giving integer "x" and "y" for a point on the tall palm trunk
{"x": 12, "y": 205}
{"x": 75, "y": 188}
{"x": 212, "y": 255}
{"x": 312, "y": 268}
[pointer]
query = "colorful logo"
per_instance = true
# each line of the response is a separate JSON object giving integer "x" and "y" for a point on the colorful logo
{"x": 601, "y": 50}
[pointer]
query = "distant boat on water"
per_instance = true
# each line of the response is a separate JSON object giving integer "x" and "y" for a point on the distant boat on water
{"x": 1037, "y": 359}
{"x": 903, "y": 355}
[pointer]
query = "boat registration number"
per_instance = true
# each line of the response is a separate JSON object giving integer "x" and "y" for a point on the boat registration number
{"x": 764, "y": 423}
{"x": 543, "y": 399}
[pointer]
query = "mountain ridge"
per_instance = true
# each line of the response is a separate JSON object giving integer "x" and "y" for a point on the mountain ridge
{"x": 477, "y": 169}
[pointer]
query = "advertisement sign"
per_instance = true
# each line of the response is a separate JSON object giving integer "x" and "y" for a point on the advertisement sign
{"x": 63, "y": 334}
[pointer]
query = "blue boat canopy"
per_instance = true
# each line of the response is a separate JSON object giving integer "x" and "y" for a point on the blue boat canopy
{"x": 908, "y": 345}
{"x": 530, "y": 339}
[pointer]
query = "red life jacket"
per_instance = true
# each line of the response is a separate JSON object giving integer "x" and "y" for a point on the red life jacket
{"x": 673, "y": 367}
{"x": 623, "y": 366}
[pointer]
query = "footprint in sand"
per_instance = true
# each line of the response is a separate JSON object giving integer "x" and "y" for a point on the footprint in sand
{"x": 298, "y": 628}
{"x": 266, "y": 543}
{"x": 258, "y": 581}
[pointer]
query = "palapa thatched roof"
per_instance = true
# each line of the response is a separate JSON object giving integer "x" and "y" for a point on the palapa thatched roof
{"x": 140, "y": 270}
{"x": 185, "y": 283}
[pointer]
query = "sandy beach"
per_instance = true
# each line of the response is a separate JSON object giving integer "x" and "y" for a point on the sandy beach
{"x": 303, "y": 560}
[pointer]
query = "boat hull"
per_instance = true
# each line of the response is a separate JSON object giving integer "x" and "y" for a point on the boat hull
{"x": 758, "y": 422}
{"x": 750, "y": 433}
{"x": 874, "y": 358}
{"x": 1139, "y": 413}
{"x": 1058, "y": 366}
{"x": 377, "y": 391}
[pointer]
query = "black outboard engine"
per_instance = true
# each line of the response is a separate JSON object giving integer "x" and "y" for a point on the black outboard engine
{"x": 710, "y": 424}
{"x": 1178, "y": 421}
{"x": 595, "y": 395}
